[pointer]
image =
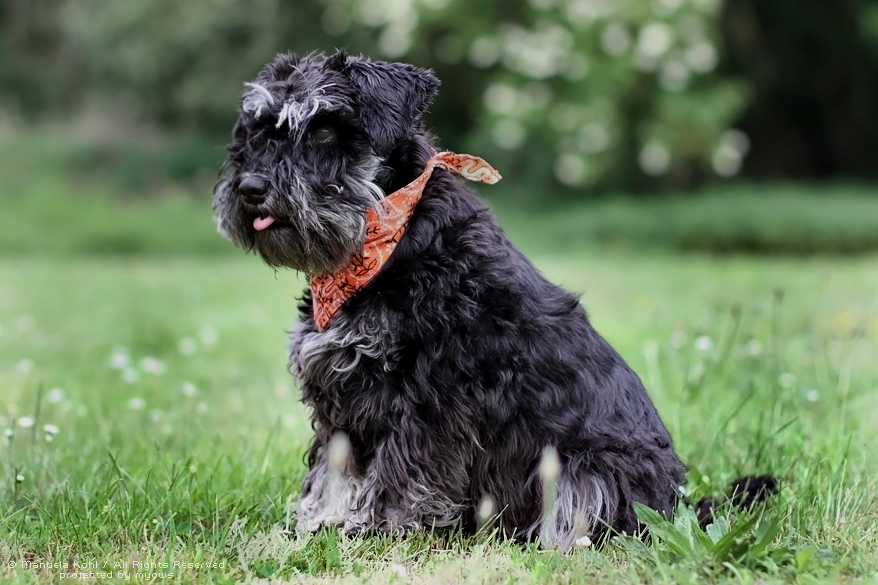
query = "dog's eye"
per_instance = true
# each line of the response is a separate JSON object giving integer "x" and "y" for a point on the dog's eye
{"x": 323, "y": 135}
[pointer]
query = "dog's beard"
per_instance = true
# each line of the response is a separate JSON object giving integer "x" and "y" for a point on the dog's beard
{"x": 316, "y": 228}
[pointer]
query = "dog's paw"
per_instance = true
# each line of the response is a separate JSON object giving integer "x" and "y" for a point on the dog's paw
{"x": 379, "y": 528}
{"x": 354, "y": 530}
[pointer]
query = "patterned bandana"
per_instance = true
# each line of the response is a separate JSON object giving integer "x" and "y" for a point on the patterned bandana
{"x": 384, "y": 228}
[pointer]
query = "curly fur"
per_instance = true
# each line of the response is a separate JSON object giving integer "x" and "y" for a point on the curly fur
{"x": 459, "y": 363}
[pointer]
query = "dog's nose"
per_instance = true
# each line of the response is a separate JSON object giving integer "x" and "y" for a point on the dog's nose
{"x": 253, "y": 189}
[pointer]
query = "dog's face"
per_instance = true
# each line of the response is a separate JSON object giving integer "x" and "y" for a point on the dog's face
{"x": 312, "y": 135}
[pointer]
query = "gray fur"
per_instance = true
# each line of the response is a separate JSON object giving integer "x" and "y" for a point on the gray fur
{"x": 327, "y": 357}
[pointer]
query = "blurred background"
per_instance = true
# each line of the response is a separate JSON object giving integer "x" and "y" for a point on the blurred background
{"x": 702, "y": 171}
{"x": 737, "y": 126}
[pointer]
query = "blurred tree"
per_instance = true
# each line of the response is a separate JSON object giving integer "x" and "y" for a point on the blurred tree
{"x": 592, "y": 95}
{"x": 813, "y": 70}
{"x": 183, "y": 63}
{"x": 38, "y": 70}
{"x": 586, "y": 93}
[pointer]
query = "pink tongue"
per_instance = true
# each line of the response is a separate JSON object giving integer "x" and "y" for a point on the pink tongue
{"x": 260, "y": 223}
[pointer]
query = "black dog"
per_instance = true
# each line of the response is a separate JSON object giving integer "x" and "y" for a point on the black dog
{"x": 455, "y": 366}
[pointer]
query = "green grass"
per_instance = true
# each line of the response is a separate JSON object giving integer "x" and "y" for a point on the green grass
{"x": 190, "y": 447}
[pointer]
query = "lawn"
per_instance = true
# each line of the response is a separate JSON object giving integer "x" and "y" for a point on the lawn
{"x": 178, "y": 437}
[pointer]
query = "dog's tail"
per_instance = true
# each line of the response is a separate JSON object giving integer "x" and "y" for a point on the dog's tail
{"x": 744, "y": 493}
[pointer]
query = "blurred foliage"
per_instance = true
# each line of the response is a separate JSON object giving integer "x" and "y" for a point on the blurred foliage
{"x": 566, "y": 97}
{"x": 585, "y": 92}
{"x": 61, "y": 203}
{"x": 639, "y": 94}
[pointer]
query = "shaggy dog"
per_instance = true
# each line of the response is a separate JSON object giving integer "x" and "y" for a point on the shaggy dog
{"x": 440, "y": 363}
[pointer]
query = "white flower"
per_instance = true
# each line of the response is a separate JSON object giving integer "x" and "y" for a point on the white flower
{"x": 484, "y": 52}
{"x": 704, "y": 343}
{"x": 136, "y": 403}
{"x": 501, "y": 98}
{"x": 19, "y": 478}
{"x": 50, "y": 429}
{"x": 615, "y": 39}
{"x": 593, "y": 137}
{"x": 189, "y": 389}
{"x": 550, "y": 465}
{"x": 786, "y": 379}
{"x": 678, "y": 338}
{"x": 155, "y": 415}
{"x": 655, "y": 39}
{"x": 55, "y": 395}
{"x": 201, "y": 407}
{"x": 812, "y": 395}
{"x": 151, "y": 365}
{"x": 753, "y": 347}
{"x": 207, "y": 335}
{"x": 25, "y": 366}
{"x": 119, "y": 358}
{"x": 583, "y": 542}
{"x": 187, "y": 346}
{"x": 577, "y": 66}
{"x": 674, "y": 75}
{"x": 571, "y": 169}
{"x": 666, "y": 7}
{"x": 486, "y": 509}
{"x": 25, "y": 422}
{"x": 339, "y": 451}
{"x": 727, "y": 160}
{"x": 398, "y": 569}
{"x": 508, "y": 134}
{"x": 702, "y": 57}
{"x": 9, "y": 433}
{"x": 130, "y": 375}
{"x": 654, "y": 159}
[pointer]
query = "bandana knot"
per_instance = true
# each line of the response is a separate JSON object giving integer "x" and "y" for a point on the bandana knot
{"x": 385, "y": 224}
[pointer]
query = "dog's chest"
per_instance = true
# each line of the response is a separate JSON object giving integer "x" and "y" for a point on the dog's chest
{"x": 350, "y": 349}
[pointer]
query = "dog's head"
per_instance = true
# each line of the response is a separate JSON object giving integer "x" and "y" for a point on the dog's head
{"x": 311, "y": 136}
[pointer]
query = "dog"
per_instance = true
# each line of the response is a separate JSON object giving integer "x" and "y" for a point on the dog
{"x": 442, "y": 369}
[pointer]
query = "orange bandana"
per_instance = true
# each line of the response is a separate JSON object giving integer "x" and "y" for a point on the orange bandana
{"x": 332, "y": 291}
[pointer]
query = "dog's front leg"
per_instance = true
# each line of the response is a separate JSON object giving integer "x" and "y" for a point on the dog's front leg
{"x": 329, "y": 491}
{"x": 412, "y": 483}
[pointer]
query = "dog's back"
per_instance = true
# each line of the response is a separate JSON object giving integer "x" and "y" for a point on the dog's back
{"x": 476, "y": 365}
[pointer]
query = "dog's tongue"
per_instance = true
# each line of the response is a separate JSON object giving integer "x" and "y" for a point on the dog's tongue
{"x": 260, "y": 223}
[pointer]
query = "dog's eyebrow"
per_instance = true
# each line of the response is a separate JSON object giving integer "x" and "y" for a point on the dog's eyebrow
{"x": 297, "y": 114}
{"x": 256, "y": 100}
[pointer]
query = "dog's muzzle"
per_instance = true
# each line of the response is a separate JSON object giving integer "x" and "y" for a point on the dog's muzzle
{"x": 253, "y": 188}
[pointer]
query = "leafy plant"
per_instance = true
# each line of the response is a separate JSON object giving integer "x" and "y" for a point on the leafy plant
{"x": 727, "y": 544}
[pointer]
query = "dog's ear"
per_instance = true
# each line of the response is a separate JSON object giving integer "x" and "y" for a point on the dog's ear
{"x": 391, "y": 97}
